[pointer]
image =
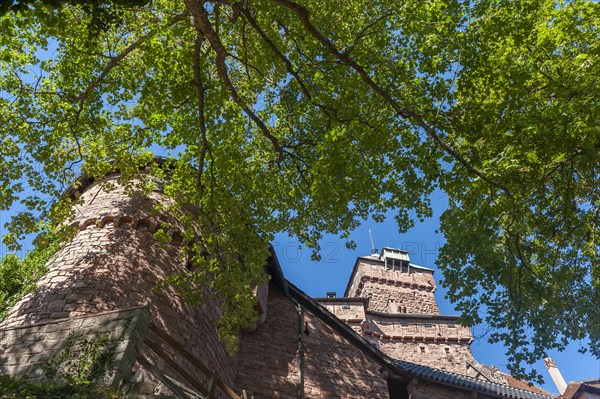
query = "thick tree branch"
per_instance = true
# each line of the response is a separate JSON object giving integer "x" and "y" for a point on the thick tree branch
{"x": 109, "y": 66}
{"x": 203, "y": 25}
{"x": 201, "y": 117}
{"x": 403, "y": 112}
{"x": 288, "y": 65}
{"x": 331, "y": 112}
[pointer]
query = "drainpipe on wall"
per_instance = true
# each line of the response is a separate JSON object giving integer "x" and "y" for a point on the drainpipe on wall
{"x": 556, "y": 376}
{"x": 300, "y": 391}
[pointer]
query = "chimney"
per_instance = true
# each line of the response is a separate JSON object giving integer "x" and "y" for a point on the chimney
{"x": 557, "y": 377}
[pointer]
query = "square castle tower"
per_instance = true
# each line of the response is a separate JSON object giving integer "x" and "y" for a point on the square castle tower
{"x": 390, "y": 302}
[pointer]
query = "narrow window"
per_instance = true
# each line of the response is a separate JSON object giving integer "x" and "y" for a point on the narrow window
{"x": 404, "y": 267}
{"x": 447, "y": 351}
{"x": 422, "y": 349}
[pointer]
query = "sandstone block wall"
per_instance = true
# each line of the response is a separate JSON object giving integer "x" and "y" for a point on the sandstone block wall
{"x": 395, "y": 298}
{"x": 350, "y": 310}
{"x": 425, "y": 390}
{"x": 393, "y": 291}
{"x": 114, "y": 262}
{"x": 418, "y": 329}
{"x": 387, "y": 296}
{"x": 269, "y": 358}
{"x": 439, "y": 355}
{"x": 431, "y": 342}
{"x": 353, "y": 310}
{"x": 30, "y": 350}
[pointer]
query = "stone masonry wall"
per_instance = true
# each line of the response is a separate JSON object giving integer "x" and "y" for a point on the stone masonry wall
{"x": 426, "y": 390}
{"x": 403, "y": 299}
{"x": 429, "y": 342}
{"x": 420, "y": 329}
{"x": 408, "y": 292}
{"x": 443, "y": 356}
{"x": 29, "y": 350}
{"x": 351, "y": 312}
{"x": 332, "y": 367}
{"x": 114, "y": 262}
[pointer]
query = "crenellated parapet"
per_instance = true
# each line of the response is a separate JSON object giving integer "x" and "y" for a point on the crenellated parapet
{"x": 393, "y": 290}
{"x": 417, "y": 328}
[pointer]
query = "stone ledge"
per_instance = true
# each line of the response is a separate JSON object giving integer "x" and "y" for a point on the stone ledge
{"x": 28, "y": 350}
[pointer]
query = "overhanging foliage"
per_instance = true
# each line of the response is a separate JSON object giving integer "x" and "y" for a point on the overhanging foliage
{"x": 306, "y": 117}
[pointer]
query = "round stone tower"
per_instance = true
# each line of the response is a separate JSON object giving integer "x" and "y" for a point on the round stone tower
{"x": 114, "y": 262}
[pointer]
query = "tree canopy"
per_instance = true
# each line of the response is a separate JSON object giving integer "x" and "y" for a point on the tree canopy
{"x": 308, "y": 117}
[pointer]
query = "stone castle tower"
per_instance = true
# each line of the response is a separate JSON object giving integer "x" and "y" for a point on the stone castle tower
{"x": 391, "y": 303}
{"x": 104, "y": 281}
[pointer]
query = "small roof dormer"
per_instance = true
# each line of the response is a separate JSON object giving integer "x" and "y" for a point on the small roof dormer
{"x": 395, "y": 259}
{"x": 394, "y": 253}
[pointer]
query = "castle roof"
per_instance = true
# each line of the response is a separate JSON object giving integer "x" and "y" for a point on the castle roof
{"x": 469, "y": 383}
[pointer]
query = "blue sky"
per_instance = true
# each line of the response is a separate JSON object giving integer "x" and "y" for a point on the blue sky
{"x": 422, "y": 242}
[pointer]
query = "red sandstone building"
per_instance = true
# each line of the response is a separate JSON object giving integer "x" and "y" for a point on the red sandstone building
{"x": 384, "y": 339}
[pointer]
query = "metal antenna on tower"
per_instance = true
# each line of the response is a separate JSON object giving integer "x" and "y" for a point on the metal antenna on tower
{"x": 372, "y": 245}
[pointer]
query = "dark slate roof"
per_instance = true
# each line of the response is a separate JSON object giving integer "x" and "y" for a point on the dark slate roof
{"x": 468, "y": 383}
